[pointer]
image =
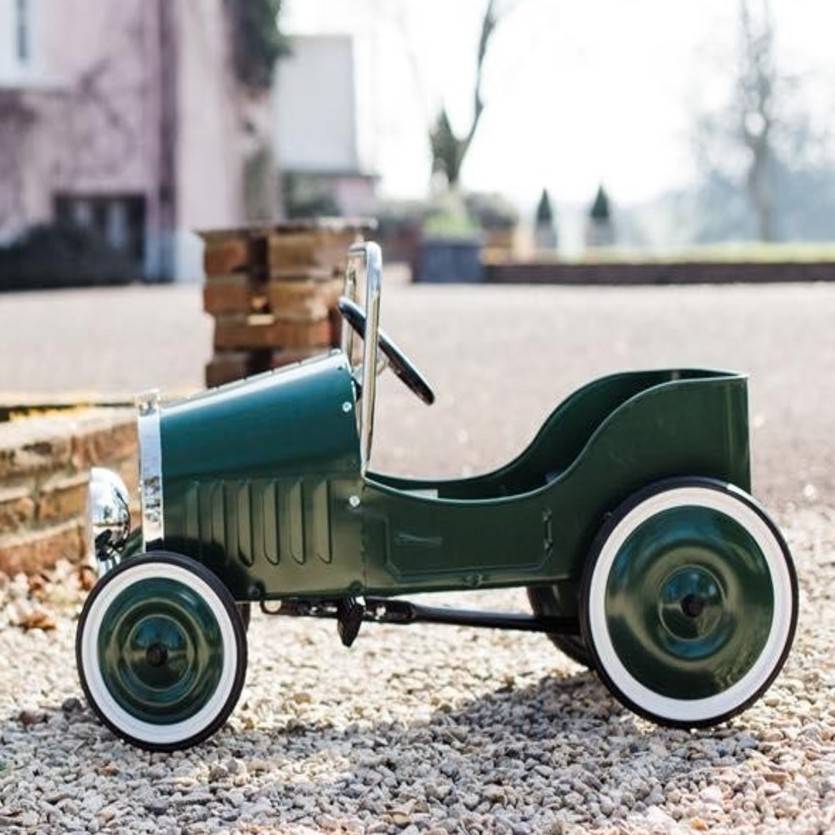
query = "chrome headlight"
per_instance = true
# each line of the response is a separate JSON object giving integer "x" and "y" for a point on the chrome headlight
{"x": 109, "y": 513}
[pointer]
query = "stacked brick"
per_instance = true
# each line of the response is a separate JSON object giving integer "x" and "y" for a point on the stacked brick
{"x": 45, "y": 463}
{"x": 273, "y": 292}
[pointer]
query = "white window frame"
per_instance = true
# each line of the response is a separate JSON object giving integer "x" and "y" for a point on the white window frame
{"x": 23, "y": 32}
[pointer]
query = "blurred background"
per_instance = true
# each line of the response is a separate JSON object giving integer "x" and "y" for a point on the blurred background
{"x": 538, "y": 127}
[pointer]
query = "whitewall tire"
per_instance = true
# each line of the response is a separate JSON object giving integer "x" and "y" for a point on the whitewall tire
{"x": 689, "y": 602}
{"x": 161, "y": 651}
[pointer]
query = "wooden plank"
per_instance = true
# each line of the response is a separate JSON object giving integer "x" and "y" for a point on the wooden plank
{"x": 305, "y": 301}
{"x": 235, "y": 293}
{"x": 264, "y": 331}
{"x": 225, "y": 255}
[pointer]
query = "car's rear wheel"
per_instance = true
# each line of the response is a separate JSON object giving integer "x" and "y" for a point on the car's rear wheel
{"x": 161, "y": 651}
{"x": 690, "y": 602}
{"x": 545, "y": 602}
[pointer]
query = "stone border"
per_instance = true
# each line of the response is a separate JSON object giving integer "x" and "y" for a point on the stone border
{"x": 681, "y": 272}
{"x": 45, "y": 462}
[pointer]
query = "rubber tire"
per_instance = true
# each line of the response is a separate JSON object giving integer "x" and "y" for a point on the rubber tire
{"x": 603, "y": 535}
{"x": 240, "y": 641}
{"x": 245, "y": 611}
{"x": 544, "y": 601}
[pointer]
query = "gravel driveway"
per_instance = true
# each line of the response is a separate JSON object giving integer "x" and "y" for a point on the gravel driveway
{"x": 439, "y": 729}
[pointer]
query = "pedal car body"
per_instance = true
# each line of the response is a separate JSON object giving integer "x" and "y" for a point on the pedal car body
{"x": 627, "y": 517}
{"x": 262, "y": 483}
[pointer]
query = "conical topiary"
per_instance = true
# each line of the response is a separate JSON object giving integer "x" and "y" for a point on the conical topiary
{"x": 600, "y": 207}
{"x": 545, "y": 232}
{"x": 544, "y": 212}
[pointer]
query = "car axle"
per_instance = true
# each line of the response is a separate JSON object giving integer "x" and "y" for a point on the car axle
{"x": 352, "y": 612}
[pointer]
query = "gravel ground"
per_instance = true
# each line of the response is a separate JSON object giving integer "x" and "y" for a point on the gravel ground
{"x": 438, "y": 728}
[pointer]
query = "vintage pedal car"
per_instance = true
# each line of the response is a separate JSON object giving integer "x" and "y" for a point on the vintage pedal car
{"x": 627, "y": 518}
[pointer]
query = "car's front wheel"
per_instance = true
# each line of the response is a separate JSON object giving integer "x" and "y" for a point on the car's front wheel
{"x": 161, "y": 651}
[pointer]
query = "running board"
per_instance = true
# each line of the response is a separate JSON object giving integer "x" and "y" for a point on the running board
{"x": 389, "y": 610}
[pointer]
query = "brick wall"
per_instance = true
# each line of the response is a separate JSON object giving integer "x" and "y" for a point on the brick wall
{"x": 45, "y": 461}
{"x": 684, "y": 272}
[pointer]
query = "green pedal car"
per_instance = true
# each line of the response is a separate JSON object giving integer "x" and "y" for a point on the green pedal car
{"x": 628, "y": 520}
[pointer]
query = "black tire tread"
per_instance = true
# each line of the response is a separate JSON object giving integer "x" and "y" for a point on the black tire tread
{"x": 543, "y": 602}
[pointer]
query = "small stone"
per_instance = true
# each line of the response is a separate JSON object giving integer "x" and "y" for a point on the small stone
{"x": 72, "y": 705}
{"x": 778, "y": 777}
{"x": 232, "y": 766}
{"x": 494, "y": 794}
{"x": 106, "y": 814}
{"x": 437, "y": 791}
{"x": 658, "y": 817}
{"x": 448, "y": 768}
{"x": 218, "y": 772}
{"x": 712, "y": 794}
{"x": 28, "y": 717}
{"x": 29, "y": 819}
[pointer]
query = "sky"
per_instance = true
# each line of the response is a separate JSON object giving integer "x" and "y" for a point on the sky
{"x": 577, "y": 93}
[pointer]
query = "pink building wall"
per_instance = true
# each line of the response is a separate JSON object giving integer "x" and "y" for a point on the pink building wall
{"x": 125, "y": 97}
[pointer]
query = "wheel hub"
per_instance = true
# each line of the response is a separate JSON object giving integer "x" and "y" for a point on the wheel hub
{"x": 161, "y": 651}
{"x": 689, "y": 602}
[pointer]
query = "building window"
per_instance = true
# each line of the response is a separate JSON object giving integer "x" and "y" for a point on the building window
{"x": 118, "y": 220}
{"x": 23, "y": 31}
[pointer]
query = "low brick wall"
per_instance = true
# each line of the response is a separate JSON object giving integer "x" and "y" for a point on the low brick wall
{"x": 45, "y": 461}
{"x": 684, "y": 272}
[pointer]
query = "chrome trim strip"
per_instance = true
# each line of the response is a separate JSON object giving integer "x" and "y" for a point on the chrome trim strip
{"x": 372, "y": 258}
{"x": 150, "y": 468}
{"x": 349, "y": 290}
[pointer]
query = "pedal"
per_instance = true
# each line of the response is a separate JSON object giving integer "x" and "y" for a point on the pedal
{"x": 349, "y": 614}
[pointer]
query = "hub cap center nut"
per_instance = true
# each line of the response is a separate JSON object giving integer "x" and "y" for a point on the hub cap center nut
{"x": 692, "y": 605}
{"x": 156, "y": 655}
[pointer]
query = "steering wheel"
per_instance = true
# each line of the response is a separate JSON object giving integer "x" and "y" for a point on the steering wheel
{"x": 354, "y": 315}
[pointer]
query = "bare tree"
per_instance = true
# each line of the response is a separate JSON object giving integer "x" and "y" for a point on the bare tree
{"x": 757, "y": 102}
{"x": 762, "y": 129}
{"x": 448, "y": 149}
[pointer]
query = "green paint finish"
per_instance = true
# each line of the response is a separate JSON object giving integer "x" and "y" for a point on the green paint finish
{"x": 533, "y": 520}
{"x": 258, "y": 478}
{"x": 160, "y": 651}
{"x": 689, "y": 602}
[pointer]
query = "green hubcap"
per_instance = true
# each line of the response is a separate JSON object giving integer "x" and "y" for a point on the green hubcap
{"x": 160, "y": 651}
{"x": 689, "y": 602}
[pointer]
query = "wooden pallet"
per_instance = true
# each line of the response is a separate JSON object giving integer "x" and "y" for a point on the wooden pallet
{"x": 272, "y": 291}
